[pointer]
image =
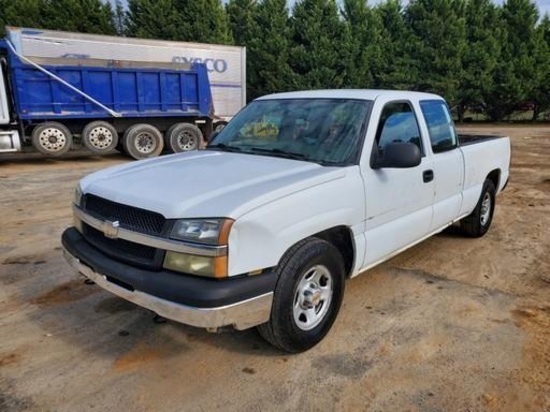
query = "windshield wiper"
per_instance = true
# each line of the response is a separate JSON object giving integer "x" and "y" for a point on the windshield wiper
{"x": 277, "y": 152}
{"x": 224, "y": 147}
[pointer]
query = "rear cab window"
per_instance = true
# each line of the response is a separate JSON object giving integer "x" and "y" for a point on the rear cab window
{"x": 440, "y": 124}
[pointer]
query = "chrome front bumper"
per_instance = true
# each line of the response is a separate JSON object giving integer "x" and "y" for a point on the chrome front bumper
{"x": 241, "y": 315}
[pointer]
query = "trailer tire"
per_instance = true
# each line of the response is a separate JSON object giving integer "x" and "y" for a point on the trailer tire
{"x": 218, "y": 126}
{"x": 142, "y": 141}
{"x": 183, "y": 137}
{"x": 52, "y": 139}
{"x": 100, "y": 137}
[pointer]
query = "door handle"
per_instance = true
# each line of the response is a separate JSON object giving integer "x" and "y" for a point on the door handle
{"x": 428, "y": 175}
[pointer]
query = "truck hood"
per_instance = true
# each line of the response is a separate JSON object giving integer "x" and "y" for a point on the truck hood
{"x": 206, "y": 183}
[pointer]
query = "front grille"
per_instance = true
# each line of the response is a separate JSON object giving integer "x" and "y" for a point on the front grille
{"x": 123, "y": 250}
{"x": 133, "y": 218}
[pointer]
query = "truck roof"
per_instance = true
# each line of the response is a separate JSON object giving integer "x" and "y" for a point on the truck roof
{"x": 360, "y": 94}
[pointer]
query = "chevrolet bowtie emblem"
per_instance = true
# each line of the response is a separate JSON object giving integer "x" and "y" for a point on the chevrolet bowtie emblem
{"x": 110, "y": 229}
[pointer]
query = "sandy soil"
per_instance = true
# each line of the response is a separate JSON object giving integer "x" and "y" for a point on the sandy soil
{"x": 452, "y": 324}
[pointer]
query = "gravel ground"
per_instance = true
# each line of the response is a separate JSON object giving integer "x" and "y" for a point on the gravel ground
{"x": 452, "y": 324}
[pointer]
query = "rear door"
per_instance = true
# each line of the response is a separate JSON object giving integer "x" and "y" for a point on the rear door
{"x": 398, "y": 201}
{"x": 448, "y": 162}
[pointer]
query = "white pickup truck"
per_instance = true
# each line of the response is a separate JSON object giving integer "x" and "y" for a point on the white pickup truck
{"x": 300, "y": 192}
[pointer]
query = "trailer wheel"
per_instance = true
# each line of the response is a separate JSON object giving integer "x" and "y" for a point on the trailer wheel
{"x": 183, "y": 137}
{"x": 52, "y": 139}
{"x": 100, "y": 137}
{"x": 218, "y": 126}
{"x": 142, "y": 141}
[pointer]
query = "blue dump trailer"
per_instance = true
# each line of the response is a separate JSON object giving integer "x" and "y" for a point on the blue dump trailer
{"x": 141, "y": 108}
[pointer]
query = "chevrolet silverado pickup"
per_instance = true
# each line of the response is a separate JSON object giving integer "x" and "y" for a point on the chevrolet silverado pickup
{"x": 300, "y": 192}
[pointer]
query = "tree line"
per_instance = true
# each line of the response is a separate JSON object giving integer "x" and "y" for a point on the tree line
{"x": 480, "y": 56}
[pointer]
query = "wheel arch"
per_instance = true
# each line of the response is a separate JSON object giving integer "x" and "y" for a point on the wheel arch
{"x": 341, "y": 237}
{"x": 494, "y": 176}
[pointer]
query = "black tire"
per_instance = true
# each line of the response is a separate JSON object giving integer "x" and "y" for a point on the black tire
{"x": 142, "y": 141}
{"x": 52, "y": 139}
{"x": 183, "y": 137}
{"x": 477, "y": 223}
{"x": 100, "y": 137}
{"x": 218, "y": 126}
{"x": 289, "y": 329}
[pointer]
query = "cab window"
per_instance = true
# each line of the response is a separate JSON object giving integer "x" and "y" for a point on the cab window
{"x": 397, "y": 125}
{"x": 440, "y": 125}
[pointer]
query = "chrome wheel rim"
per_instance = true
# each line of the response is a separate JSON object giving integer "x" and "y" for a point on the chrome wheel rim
{"x": 485, "y": 209}
{"x": 313, "y": 297}
{"x": 187, "y": 141}
{"x": 145, "y": 143}
{"x": 52, "y": 139}
{"x": 100, "y": 137}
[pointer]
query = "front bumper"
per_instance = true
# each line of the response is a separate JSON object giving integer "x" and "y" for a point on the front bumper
{"x": 241, "y": 302}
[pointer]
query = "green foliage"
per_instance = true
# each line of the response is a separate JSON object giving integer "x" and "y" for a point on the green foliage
{"x": 152, "y": 19}
{"x": 21, "y": 13}
{"x": 438, "y": 31}
{"x": 481, "y": 55}
{"x": 202, "y": 21}
{"x": 86, "y": 16}
{"x": 318, "y": 38}
{"x": 516, "y": 74}
{"x": 361, "y": 43}
{"x": 541, "y": 92}
{"x": 268, "y": 51}
{"x": 398, "y": 65}
{"x": 476, "y": 53}
{"x": 242, "y": 20}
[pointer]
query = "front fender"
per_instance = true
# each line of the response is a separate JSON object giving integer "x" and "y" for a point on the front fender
{"x": 259, "y": 238}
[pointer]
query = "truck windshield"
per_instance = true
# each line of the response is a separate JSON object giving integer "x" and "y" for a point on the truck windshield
{"x": 325, "y": 131}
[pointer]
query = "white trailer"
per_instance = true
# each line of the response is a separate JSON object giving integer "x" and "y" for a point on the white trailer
{"x": 226, "y": 64}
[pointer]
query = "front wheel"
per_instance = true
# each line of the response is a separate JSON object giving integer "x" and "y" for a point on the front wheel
{"x": 308, "y": 295}
{"x": 477, "y": 223}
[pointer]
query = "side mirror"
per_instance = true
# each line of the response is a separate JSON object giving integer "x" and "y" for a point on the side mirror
{"x": 398, "y": 155}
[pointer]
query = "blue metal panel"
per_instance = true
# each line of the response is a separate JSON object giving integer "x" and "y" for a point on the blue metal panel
{"x": 133, "y": 92}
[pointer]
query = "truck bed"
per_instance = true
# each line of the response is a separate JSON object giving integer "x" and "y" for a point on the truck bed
{"x": 131, "y": 89}
{"x": 467, "y": 139}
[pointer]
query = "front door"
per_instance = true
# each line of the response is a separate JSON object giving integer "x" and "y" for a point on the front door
{"x": 399, "y": 201}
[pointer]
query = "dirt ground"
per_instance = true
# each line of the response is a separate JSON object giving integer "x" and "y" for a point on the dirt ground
{"x": 452, "y": 324}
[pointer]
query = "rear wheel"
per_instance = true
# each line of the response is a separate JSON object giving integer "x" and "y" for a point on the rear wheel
{"x": 100, "y": 137}
{"x": 307, "y": 297}
{"x": 183, "y": 137}
{"x": 477, "y": 223}
{"x": 218, "y": 126}
{"x": 142, "y": 141}
{"x": 52, "y": 139}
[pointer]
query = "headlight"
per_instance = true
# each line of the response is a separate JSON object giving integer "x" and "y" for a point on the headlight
{"x": 77, "y": 195}
{"x": 206, "y": 231}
